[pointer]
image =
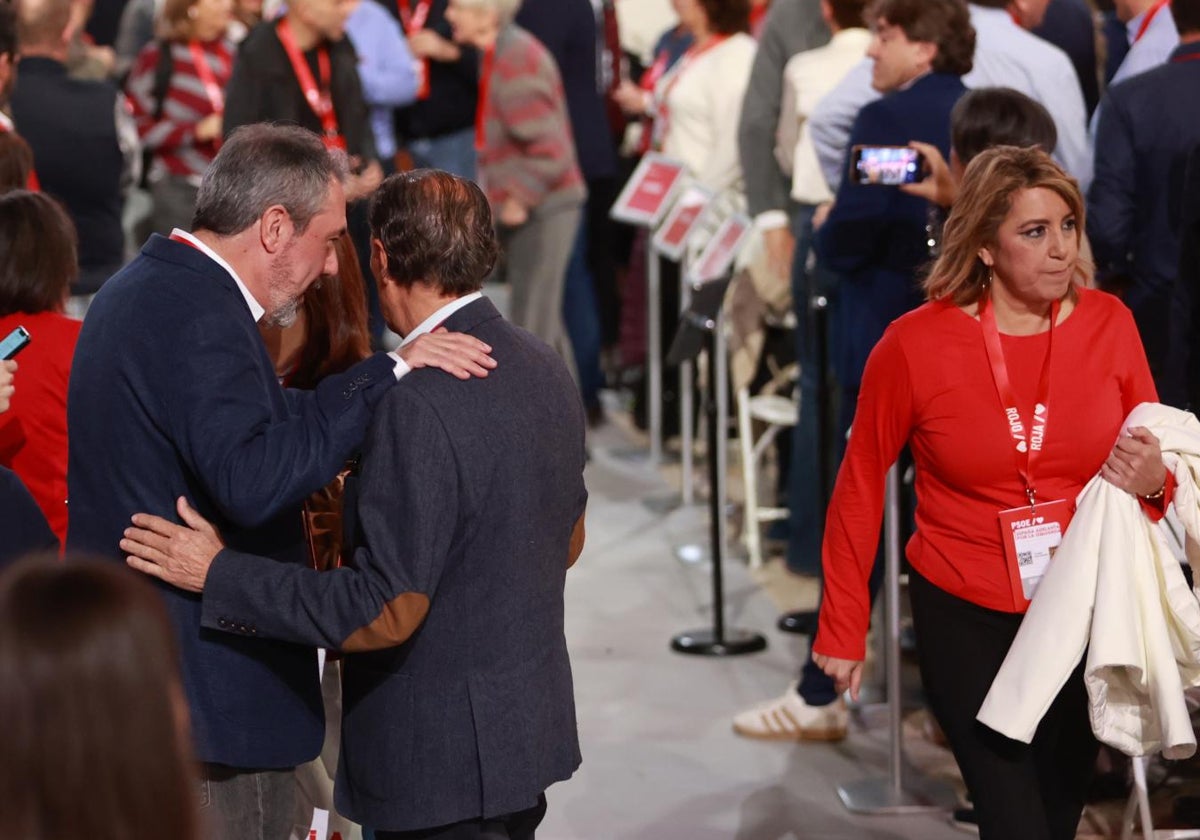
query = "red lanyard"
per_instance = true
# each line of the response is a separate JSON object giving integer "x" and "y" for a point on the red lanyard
{"x": 413, "y": 22}
{"x": 758, "y": 16}
{"x": 485, "y": 86}
{"x": 215, "y": 95}
{"x": 1149, "y": 18}
{"x": 664, "y": 111}
{"x": 183, "y": 240}
{"x": 1182, "y": 57}
{"x": 1028, "y": 440}
{"x": 319, "y": 99}
{"x": 657, "y": 69}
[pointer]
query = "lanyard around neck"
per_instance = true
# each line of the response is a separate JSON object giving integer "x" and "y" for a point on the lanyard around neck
{"x": 413, "y": 20}
{"x": 319, "y": 98}
{"x": 664, "y": 108}
{"x": 1149, "y": 18}
{"x": 1028, "y": 440}
{"x": 486, "y": 67}
{"x": 208, "y": 79}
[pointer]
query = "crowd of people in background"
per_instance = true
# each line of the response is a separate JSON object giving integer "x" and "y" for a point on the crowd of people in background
{"x": 112, "y": 113}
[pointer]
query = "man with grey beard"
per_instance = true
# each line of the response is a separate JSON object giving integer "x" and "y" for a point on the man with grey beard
{"x": 173, "y": 394}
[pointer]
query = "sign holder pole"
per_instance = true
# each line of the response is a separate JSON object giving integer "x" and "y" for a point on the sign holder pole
{"x": 895, "y": 794}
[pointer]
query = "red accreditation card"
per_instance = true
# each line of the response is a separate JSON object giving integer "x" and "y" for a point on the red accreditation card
{"x": 648, "y": 193}
{"x": 721, "y": 251}
{"x": 1031, "y": 536}
{"x": 672, "y": 235}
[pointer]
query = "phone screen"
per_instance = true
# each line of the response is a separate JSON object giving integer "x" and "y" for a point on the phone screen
{"x": 886, "y": 165}
{"x": 13, "y": 343}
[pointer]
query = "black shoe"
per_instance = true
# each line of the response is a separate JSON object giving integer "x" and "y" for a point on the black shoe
{"x": 964, "y": 820}
{"x": 803, "y": 622}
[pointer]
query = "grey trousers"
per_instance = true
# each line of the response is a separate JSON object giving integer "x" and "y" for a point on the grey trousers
{"x": 534, "y": 265}
{"x": 238, "y": 804}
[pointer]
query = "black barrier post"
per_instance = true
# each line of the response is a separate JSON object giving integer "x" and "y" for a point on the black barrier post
{"x": 698, "y": 330}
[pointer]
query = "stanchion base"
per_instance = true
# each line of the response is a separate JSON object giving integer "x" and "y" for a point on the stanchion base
{"x": 704, "y": 643}
{"x": 693, "y": 553}
{"x": 917, "y": 795}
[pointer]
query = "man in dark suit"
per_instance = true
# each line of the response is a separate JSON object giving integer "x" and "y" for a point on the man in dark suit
{"x": 173, "y": 393}
{"x": 1147, "y": 126}
{"x": 459, "y": 709}
{"x": 1185, "y": 324}
{"x": 83, "y": 140}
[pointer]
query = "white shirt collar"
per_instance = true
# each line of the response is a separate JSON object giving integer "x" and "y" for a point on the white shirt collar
{"x": 6, "y": 123}
{"x": 435, "y": 320}
{"x": 256, "y": 310}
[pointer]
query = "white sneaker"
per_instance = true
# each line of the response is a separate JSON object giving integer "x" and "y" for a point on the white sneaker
{"x": 789, "y": 718}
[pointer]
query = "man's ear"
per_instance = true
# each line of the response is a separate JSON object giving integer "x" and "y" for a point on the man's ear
{"x": 928, "y": 51}
{"x": 378, "y": 260}
{"x": 275, "y": 228}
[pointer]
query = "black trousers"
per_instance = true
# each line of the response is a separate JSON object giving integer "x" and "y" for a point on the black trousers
{"x": 1020, "y": 791}
{"x": 517, "y": 826}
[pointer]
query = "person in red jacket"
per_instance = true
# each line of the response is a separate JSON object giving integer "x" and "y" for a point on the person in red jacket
{"x": 37, "y": 265}
{"x": 1010, "y": 386}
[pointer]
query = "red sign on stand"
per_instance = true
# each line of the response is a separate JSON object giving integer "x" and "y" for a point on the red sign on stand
{"x": 672, "y": 236}
{"x": 647, "y": 196}
{"x": 721, "y": 251}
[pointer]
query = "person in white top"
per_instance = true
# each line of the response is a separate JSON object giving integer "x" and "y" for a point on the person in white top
{"x": 1006, "y": 55}
{"x": 642, "y": 22}
{"x": 807, "y": 78}
{"x": 700, "y": 100}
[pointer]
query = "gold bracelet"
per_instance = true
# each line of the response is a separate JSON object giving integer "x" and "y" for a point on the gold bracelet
{"x": 1157, "y": 494}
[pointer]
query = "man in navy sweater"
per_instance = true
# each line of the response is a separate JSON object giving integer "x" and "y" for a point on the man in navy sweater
{"x": 173, "y": 394}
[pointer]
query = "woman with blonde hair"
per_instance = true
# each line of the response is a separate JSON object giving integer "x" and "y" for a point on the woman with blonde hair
{"x": 1010, "y": 386}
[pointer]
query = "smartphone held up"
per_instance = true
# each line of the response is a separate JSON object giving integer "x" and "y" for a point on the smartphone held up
{"x": 887, "y": 166}
{"x": 14, "y": 343}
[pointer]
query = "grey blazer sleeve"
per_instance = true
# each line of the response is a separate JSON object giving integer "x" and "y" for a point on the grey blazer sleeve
{"x": 407, "y": 513}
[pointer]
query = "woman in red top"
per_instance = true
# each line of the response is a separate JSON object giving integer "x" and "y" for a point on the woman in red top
{"x": 1010, "y": 387}
{"x": 37, "y": 265}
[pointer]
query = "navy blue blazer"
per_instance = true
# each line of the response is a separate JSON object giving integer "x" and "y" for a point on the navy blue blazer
{"x": 567, "y": 28}
{"x": 1185, "y": 320}
{"x": 1147, "y": 127}
{"x": 172, "y": 394}
{"x": 875, "y": 237}
{"x": 23, "y": 528}
{"x": 458, "y": 699}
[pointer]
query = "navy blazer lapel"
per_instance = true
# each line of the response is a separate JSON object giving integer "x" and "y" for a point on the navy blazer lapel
{"x": 469, "y": 318}
{"x": 181, "y": 253}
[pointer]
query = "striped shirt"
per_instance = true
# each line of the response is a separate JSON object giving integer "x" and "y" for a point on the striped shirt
{"x": 528, "y": 151}
{"x": 172, "y": 139}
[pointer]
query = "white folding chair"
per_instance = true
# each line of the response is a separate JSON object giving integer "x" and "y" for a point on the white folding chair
{"x": 776, "y": 412}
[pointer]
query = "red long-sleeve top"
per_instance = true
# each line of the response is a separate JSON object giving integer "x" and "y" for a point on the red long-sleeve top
{"x": 33, "y": 433}
{"x": 928, "y": 383}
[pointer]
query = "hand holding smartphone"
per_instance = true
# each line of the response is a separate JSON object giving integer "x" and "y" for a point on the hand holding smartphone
{"x": 886, "y": 166}
{"x": 14, "y": 343}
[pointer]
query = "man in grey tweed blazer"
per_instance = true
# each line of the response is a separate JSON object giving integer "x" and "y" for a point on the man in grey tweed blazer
{"x": 459, "y": 708}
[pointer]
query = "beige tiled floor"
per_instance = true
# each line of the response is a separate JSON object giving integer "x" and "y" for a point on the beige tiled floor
{"x": 660, "y": 759}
